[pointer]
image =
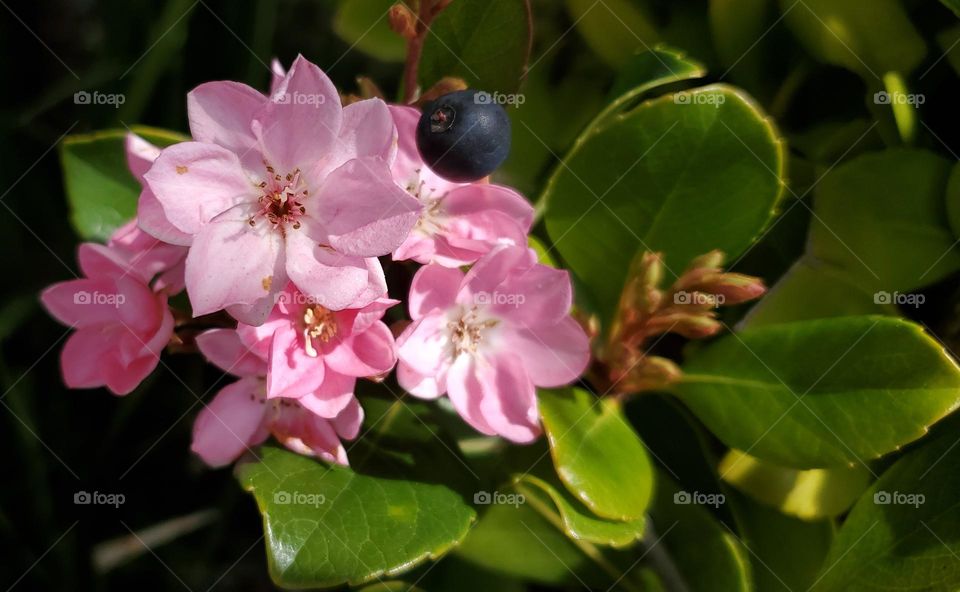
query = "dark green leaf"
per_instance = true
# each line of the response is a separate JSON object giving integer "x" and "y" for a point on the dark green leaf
{"x": 364, "y": 25}
{"x": 614, "y": 29}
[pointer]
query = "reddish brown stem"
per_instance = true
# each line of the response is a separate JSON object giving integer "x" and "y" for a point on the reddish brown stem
{"x": 427, "y": 11}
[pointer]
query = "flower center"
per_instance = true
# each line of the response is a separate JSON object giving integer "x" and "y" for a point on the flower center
{"x": 318, "y": 323}
{"x": 281, "y": 199}
{"x": 467, "y": 333}
{"x": 431, "y": 216}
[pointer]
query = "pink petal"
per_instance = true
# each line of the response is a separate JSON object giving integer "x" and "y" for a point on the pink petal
{"x": 367, "y": 131}
{"x": 277, "y": 75}
{"x": 298, "y": 125}
{"x": 74, "y": 303}
{"x": 140, "y": 155}
{"x": 541, "y": 295}
{"x": 86, "y": 354}
{"x": 369, "y": 353}
{"x": 348, "y": 422}
{"x": 153, "y": 220}
{"x": 425, "y": 345}
{"x": 222, "y": 113}
{"x": 230, "y": 423}
{"x": 466, "y": 392}
{"x": 418, "y": 385}
{"x": 223, "y": 348}
{"x": 508, "y": 400}
{"x": 122, "y": 380}
{"x": 334, "y": 280}
{"x": 553, "y": 355}
{"x": 479, "y": 198}
{"x": 100, "y": 261}
{"x": 433, "y": 287}
{"x": 195, "y": 182}
{"x": 231, "y": 262}
{"x": 493, "y": 269}
{"x": 332, "y": 397}
{"x": 363, "y": 210}
{"x": 291, "y": 372}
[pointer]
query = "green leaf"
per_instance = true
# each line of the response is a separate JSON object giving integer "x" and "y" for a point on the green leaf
{"x": 953, "y": 200}
{"x": 364, "y": 25}
{"x": 577, "y": 521}
{"x": 485, "y": 42}
{"x": 705, "y": 554}
{"x": 953, "y": 5}
{"x": 650, "y": 69}
{"x": 904, "y": 533}
{"x": 811, "y": 290}
{"x": 597, "y": 454}
{"x": 809, "y": 495}
{"x": 881, "y": 216}
{"x": 350, "y": 527}
{"x": 614, "y": 29}
{"x": 667, "y": 176}
{"x": 870, "y": 38}
{"x": 101, "y": 191}
{"x": 822, "y": 393}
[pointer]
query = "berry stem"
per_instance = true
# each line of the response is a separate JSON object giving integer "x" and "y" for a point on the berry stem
{"x": 427, "y": 11}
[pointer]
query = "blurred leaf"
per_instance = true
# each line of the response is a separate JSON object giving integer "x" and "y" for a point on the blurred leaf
{"x": 953, "y": 5}
{"x": 394, "y": 586}
{"x": 881, "y": 216}
{"x": 101, "y": 191}
{"x": 809, "y": 495}
{"x": 866, "y": 386}
{"x": 904, "y": 533}
{"x": 706, "y": 556}
{"x": 597, "y": 454}
{"x": 646, "y": 71}
{"x": 614, "y": 29}
{"x": 364, "y": 25}
{"x": 953, "y": 200}
{"x": 786, "y": 553}
{"x": 485, "y": 42}
{"x": 740, "y": 29}
{"x": 326, "y": 525}
{"x": 578, "y": 522}
{"x": 667, "y": 176}
{"x": 870, "y": 38}
{"x": 810, "y": 290}
{"x": 949, "y": 42}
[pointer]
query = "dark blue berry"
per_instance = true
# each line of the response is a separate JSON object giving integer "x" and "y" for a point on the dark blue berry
{"x": 463, "y": 136}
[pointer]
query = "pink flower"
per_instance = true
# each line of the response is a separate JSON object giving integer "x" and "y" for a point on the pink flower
{"x": 315, "y": 355}
{"x": 241, "y": 416}
{"x": 122, "y": 325}
{"x": 458, "y": 222}
{"x": 150, "y": 257}
{"x": 487, "y": 338}
{"x": 150, "y": 216}
{"x": 290, "y": 187}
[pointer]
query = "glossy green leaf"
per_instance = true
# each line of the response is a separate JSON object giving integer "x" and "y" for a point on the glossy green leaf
{"x": 614, "y": 29}
{"x": 706, "y": 555}
{"x": 101, "y": 191}
{"x": 904, "y": 533}
{"x": 327, "y": 525}
{"x": 881, "y": 216}
{"x": 810, "y": 494}
{"x": 822, "y": 393}
{"x": 682, "y": 175}
{"x": 813, "y": 289}
{"x": 365, "y": 26}
{"x": 578, "y": 522}
{"x": 485, "y": 42}
{"x": 870, "y": 38}
{"x": 650, "y": 69}
{"x": 597, "y": 454}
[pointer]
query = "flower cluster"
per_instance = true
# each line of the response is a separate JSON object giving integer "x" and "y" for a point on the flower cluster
{"x": 276, "y": 213}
